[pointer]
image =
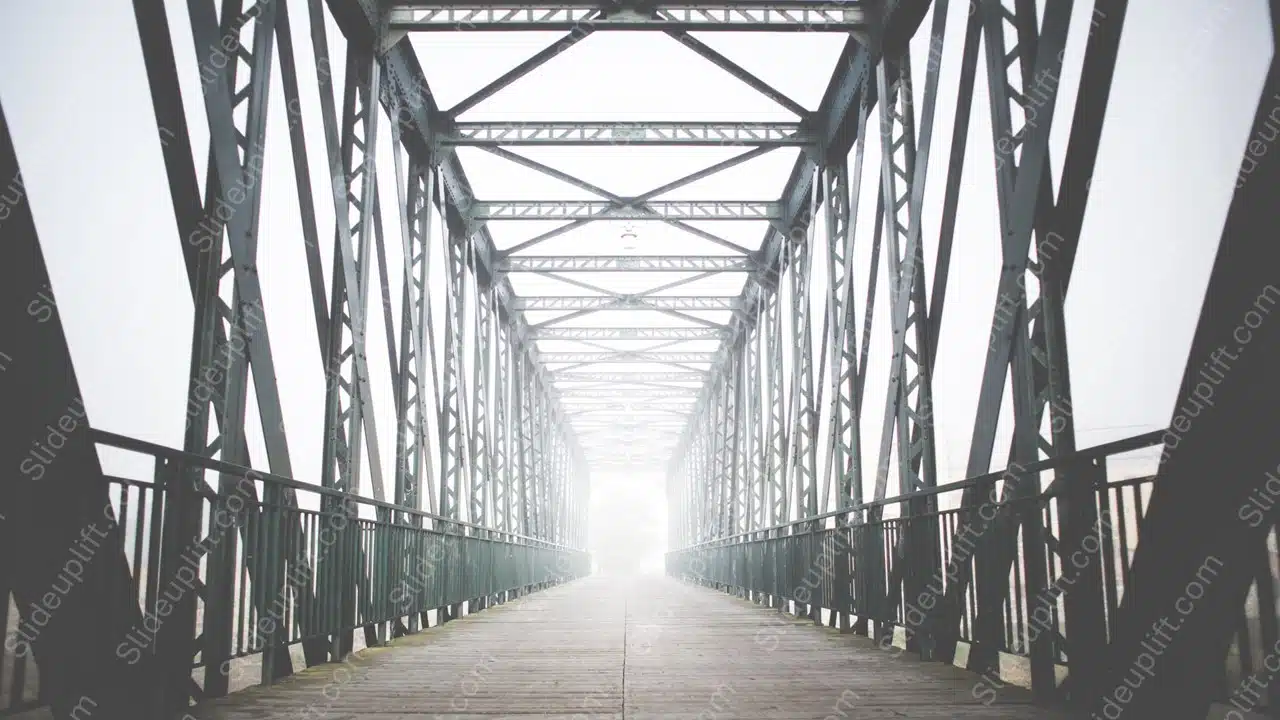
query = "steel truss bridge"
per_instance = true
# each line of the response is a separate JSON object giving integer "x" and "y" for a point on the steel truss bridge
{"x": 758, "y": 402}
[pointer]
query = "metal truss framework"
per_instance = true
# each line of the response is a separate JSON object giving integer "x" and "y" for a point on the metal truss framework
{"x": 737, "y": 16}
{"x": 480, "y": 448}
{"x": 495, "y": 437}
{"x": 567, "y": 396}
{"x": 713, "y": 134}
{"x": 628, "y": 263}
{"x": 601, "y": 210}
{"x": 749, "y": 470}
{"x": 636, "y": 333}
{"x": 653, "y": 302}
{"x": 646, "y": 378}
{"x": 628, "y": 357}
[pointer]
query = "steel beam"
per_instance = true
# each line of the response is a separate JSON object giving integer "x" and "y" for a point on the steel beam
{"x": 803, "y": 417}
{"x": 571, "y": 395}
{"x": 650, "y": 302}
{"x": 453, "y": 434}
{"x": 715, "y": 58}
{"x": 639, "y": 377}
{"x": 744, "y": 15}
{"x": 56, "y": 511}
{"x": 624, "y": 409}
{"x": 626, "y": 263}
{"x": 417, "y": 202}
{"x": 407, "y": 96}
{"x": 1203, "y": 541}
{"x": 845, "y": 435}
{"x": 250, "y": 138}
{"x": 636, "y": 333}
{"x": 1024, "y": 197}
{"x": 506, "y": 79}
{"x": 214, "y": 352}
{"x": 482, "y": 211}
{"x": 609, "y": 134}
{"x": 481, "y": 387}
{"x": 776, "y": 462}
{"x": 350, "y": 150}
{"x": 348, "y": 394}
{"x": 622, "y": 356}
{"x": 754, "y": 430}
{"x": 759, "y": 306}
{"x": 504, "y": 432}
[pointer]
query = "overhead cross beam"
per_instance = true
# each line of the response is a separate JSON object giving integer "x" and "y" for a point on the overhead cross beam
{"x": 626, "y": 410}
{"x": 570, "y": 396}
{"x": 622, "y": 356}
{"x": 686, "y": 134}
{"x": 622, "y": 377}
{"x": 627, "y": 263}
{"x": 628, "y": 333}
{"x": 627, "y": 302}
{"x": 655, "y": 422}
{"x": 464, "y": 15}
{"x": 637, "y": 203}
{"x": 634, "y": 396}
{"x": 629, "y": 210}
{"x": 631, "y": 442}
{"x": 609, "y": 300}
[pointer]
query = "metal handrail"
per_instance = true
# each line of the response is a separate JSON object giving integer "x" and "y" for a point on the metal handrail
{"x": 144, "y": 447}
{"x": 1129, "y": 444}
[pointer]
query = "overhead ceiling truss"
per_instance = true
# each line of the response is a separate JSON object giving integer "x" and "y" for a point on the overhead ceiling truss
{"x": 603, "y": 210}
{"x": 684, "y": 134}
{"x": 626, "y": 263}
{"x": 628, "y": 333}
{"x": 497, "y": 426}
{"x": 409, "y": 15}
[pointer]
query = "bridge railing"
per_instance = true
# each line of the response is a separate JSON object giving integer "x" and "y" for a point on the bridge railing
{"x": 997, "y": 562}
{"x": 227, "y": 562}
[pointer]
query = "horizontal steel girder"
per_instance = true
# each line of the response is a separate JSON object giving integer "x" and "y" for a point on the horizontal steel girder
{"x": 629, "y": 437}
{"x": 628, "y": 263}
{"x": 826, "y": 16}
{"x": 648, "y": 431}
{"x": 644, "y": 458}
{"x": 622, "y": 377}
{"x": 627, "y": 357}
{"x": 606, "y": 210}
{"x": 608, "y": 413}
{"x": 648, "y": 454}
{"x": 627, "y": 403}
{"x": 657, "y": 333}
{"x": 606, "y": 133}
{"x": 600, "y": 441}
{"x": 716, "y": 134}
{"x": 606, "y": 447}
{"x": 605, "y": 302}
{"x": 629, "y": 448}
{"x": 576, "y": 395}
{"x": 630, "y": 406}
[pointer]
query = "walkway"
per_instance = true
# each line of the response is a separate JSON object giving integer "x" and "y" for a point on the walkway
{"x": 604, "y": 648}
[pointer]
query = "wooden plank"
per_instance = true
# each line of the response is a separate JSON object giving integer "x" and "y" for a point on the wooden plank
{"x": 697, "y": 653}
{"x": 669, "y": 649}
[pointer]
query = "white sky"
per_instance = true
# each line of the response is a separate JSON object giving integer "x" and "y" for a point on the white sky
{"x": 76, "y": 97}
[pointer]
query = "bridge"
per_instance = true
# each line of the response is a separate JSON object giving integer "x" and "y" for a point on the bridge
{"x": 537, "y": 322}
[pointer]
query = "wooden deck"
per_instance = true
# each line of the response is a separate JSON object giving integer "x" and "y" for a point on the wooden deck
{"x": 639, "y": 648}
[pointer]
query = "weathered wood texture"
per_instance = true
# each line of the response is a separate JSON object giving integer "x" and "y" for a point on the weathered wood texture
{"x": 639, "y": 648}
